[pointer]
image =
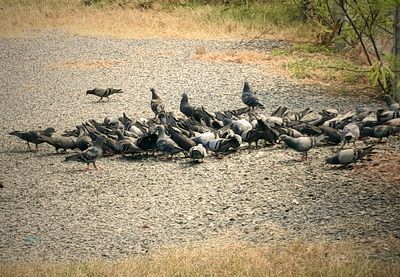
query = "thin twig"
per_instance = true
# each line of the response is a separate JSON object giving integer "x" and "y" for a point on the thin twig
{"x": 342, "y": 68}
{"x": 244, "y": 43}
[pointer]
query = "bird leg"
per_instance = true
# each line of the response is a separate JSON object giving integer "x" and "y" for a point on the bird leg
{"x": 36, "y": 147}
{"x": 96, "y": 167}
{"x": 101, "y": 98}
{"x": 29, "y": 147}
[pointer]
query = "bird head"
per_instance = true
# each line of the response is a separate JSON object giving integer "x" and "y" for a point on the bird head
{"x": 246, "y": 87}
{"x": 283, "y": 138}
{"x": 49, "y": 131}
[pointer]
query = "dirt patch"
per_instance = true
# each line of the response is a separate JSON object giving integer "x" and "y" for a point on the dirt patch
{"x": 385, "y": 166}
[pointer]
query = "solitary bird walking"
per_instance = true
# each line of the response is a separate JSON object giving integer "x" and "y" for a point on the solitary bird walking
{"x": 103, "y": 92}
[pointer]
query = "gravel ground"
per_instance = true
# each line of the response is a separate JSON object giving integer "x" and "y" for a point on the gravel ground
{"x": 54, "y": 210}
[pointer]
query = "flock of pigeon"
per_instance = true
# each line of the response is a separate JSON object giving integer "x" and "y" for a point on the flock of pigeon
{"x": 200, "y": 132}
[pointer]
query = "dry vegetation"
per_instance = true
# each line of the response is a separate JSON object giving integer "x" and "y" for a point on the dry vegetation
{"x": 221, "y": 259}
{"x": 130, "y": 21}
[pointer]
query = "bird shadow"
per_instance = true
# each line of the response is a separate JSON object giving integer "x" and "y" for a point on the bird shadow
{"x": 54, "y": 154}
{"x": 17, "y": 151}
{"x": 191, "y": 163}
{"x": 341, "y": 167}
{"x": 97, "y": 102}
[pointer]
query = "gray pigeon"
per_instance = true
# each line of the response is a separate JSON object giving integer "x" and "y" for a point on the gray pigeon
{"x": 384, "y": 116}
{"x": 84, "y": 141}
{"x": 204, "y": 138}
{"x": 391, "y": 104}
{"x": 90, "y": 155}
{"x": 380, "y": 131}
{"x": 165, "y": 143}
{"x": 127, "y": 145}
{"x": 302, "y": 144}
{"x": 249, "y": 99}
{"x": 350, "y": 133}
{"x": 100, "y": 92}
{"x": 33, "y": 136}
{"x": 197, "y": 153}
{"x": 225, "y": 145}
{"x": 60, "y": 142}
{"x": 348, "y": 156}
{"x": 156, "y": 103}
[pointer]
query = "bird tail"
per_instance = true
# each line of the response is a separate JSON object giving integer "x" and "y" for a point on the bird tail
{"x": 365, "y": 151}
{"x": 320, "y": 139}
{"x": 281, "y": 111}
{"x": 15, "y": 133}
{"x": 71, "y": 158}
{"x": 117, "y": 90}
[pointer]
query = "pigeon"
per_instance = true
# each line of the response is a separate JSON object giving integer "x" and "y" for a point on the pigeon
{"x": 391, "y": 104}
{"x": 156, "y": 103}
{"x": 302, "y": 144}
{"x": 350, "y": 133}
{"x": 185, "y": 107}
{"x": 384, "y": 116}
{"x": 84, "y": 141}
{"x": 180, "y": 139}
{"x": 204, "y": 138}
{"x": 225, "y": 145}
{"x": 348, "y": 156}
{"x": 197, "y": 153}
{"x": 296, "y": 116}
{"x": 103, "y": 92}
{"x": 33, "y": 136}
{"x": 380, "y": 131}
{"x": 165, "y": 143}
{"x": 127, "y": 145}
{"x": 393, "y": 122}
{"x": 249, "y": 99}
{"x": 333, "y": 135}
{"x": 90, "y": 155}
{"x": 147, "y": 142}
{"x": 60, "y": 142}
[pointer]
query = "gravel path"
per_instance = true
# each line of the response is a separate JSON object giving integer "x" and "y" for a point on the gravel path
{"x": 53, "y": 210}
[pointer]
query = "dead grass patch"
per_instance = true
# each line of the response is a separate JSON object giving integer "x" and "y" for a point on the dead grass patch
{"x": 223, "y": 259}
{"x": 246, "y": 56}
{"x": 84, "y": 64}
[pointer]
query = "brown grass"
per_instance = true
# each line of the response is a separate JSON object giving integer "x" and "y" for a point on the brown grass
{"x": 114, "y": 21}
{"x": 223, "y": 259}
{"x": 84, "y": 64}
{"x": 127, "y": 21}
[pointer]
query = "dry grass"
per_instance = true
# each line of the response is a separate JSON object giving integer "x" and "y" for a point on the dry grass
{"x": 84, "y": 64}
{"x": 226, "y": 259}
{"x": 72, "y": 16}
